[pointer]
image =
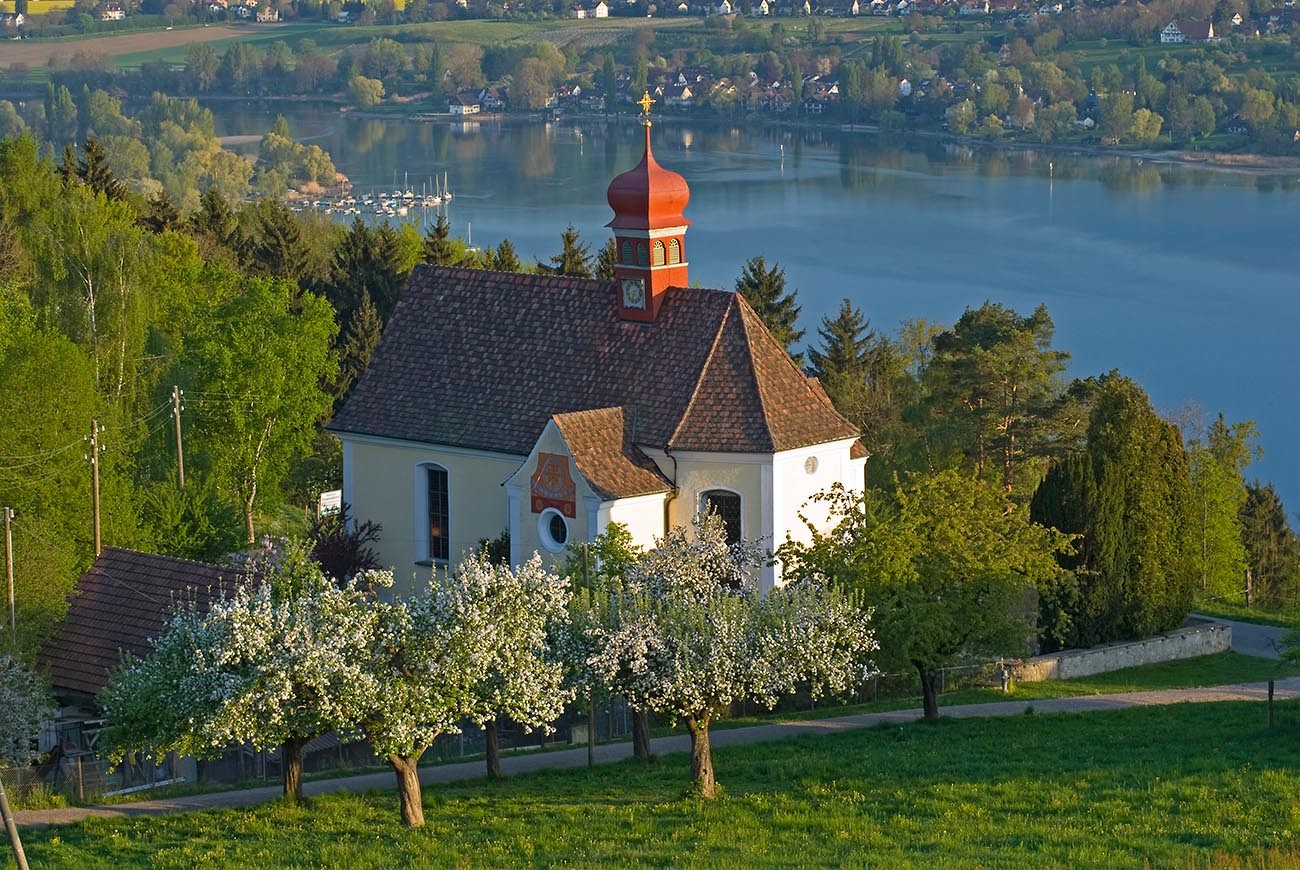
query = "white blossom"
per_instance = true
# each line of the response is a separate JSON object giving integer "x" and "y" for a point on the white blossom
{"x": 24, "y": 705}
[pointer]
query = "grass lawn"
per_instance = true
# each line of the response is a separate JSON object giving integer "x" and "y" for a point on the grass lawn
{"x": 1195, "y": 785}
{"x": 1213, "y": 670}
{"x": 1242, "y": 613}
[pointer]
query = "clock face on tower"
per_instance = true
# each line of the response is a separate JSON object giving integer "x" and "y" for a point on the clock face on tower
{"x": 633, "y": 293}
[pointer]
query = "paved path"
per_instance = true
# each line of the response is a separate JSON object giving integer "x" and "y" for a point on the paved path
{"x": 611, "y": 752}
{"x": 1250, "y": 639}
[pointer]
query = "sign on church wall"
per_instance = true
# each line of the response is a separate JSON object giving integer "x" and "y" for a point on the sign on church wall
{"x": 553, "y": 486}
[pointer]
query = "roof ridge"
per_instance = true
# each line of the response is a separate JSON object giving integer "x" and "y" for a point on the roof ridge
{"x": 699, "y": 380}
{"x": 822, "y": 396}
{"x": 198, "y": 562}
{"x": 753, "y": 369}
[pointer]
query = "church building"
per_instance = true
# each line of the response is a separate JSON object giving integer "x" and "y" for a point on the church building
{"x": 551, "y": 406}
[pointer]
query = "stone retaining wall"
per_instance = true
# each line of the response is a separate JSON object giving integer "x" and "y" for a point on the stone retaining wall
{"x": 1197, "y": 638}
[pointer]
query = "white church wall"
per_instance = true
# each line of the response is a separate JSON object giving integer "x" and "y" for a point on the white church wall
{"x": 385, "y": 483}
{"x": 802, "y": 474}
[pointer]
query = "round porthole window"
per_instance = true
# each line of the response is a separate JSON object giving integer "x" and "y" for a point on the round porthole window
{"x": 553, "y": 530}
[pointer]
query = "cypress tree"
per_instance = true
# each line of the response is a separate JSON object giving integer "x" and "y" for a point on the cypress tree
{"x": 1129, "y": 498}
{"x": 1272, "y": 549}
{"x": 357, "y": 347}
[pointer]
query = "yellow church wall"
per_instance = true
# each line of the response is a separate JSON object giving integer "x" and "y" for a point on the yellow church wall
{"x": 698, "y": 473}
{"x": 385, "y": 483}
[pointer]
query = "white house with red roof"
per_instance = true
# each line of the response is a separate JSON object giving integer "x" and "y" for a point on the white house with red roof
{"x": 551, "y": 406}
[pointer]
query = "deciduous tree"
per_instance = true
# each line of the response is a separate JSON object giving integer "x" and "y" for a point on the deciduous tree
{"x": 692, "y": 635}
{"x": 948, "y": 568}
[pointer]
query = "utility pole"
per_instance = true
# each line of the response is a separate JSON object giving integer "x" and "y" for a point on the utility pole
{"x": 180, "y": 454}
{"x": 12, "y": 827}
{"x": 94, "y": 481}
{"x": 9, "y": 570}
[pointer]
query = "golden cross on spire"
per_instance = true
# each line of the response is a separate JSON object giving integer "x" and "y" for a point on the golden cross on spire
{"x": 645, "y": 103}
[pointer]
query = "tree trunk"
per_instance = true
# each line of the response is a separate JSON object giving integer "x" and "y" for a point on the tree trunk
{"x": 701, "y": 757}
{"x": 641, "y": 735}
{"x": 409, "y": 798}
{"x": 292, "y": 766}
{"x": 493, "y": 750}
{"x": 929, "y": 692}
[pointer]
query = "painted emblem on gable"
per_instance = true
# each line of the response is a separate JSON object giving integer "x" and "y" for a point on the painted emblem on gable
{"x": 553, "y": 486}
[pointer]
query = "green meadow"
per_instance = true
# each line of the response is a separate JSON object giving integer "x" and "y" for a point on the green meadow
{"x": 1196, "y": 785}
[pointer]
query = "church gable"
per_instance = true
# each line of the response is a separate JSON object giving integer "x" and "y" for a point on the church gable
{"x": 601, "y": 445}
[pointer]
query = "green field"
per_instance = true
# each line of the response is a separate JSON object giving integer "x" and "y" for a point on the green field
{"x": 1193, "y": 785}
{"x": 1257, "y": 615}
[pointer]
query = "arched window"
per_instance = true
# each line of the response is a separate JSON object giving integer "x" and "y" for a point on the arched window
{"x": 674, "y": 252}
{"x": 626, "y": 258}
{"x": 726, "y": 504}
{"x": 642, "y": 254}
{"x": 659, "y": 254}
{"x": 434, "y": 514}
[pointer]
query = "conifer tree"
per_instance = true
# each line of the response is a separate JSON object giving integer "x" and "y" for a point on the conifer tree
{"x": 1272, "y": 549}
{"x": 505, "y": 259}
{"x": 94, "y": 171}
{"x": 359, "y": 343}
{"x": 606, "y": 260}
{"x": 438, "y": 248}
{"x": 575, "y": 256}
{"x": 842, "y": 361}
{"x": 1129, "y": 496}
{"x": 1218, "y": 463}
{"x": 764, "y": 289}
{"x": 160, "y": 213}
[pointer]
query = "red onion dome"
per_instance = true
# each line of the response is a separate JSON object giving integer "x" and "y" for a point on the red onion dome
{"x": 648, "y": 197}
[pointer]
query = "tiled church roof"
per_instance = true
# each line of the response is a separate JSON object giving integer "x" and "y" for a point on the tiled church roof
{"x": 124, "y": 599}
{"x": 482, "y": 360}
{"x": 600, "y": 444}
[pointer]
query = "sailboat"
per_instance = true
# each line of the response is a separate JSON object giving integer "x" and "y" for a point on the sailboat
{"x": 446, "y": 191}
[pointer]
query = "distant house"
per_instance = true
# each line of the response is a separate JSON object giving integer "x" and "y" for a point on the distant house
{"x": 724, "y": 8}
{"x": 974, "y": 7}
{"x": 464, "y": 103}
{"x": 11, "y": 20}
{"x": 1177, "y": 32}
{"x": 762, "y": 7}
{"x": 267, "y": 14}
{"x": 492, "y": 99}
{"x": 840, "y": 8}
{"x": 111, "y": 12}
{"x": 679, "y": 96}
{"x": 813, "y": 107}
{"x": 589, "y": 9}
{"x": 244, "y": 11}
{"x": 1236, "y": 125}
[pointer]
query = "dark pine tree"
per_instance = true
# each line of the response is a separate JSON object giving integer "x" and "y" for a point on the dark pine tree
{"x": 95, "y": 173}
{"x": 505, "y": 259}
{"x": 574, "y": 257}
{"x": 274, "y": 245}
{"x": 1272, "y": 549}
{"x": 842, "y": 358}
{"x": 160, "y": 213}
{"x": 356, "y": 347}
{"x": 438, "y": 249}
{"x": 606, "y": 260}
{"x": 764, "y": 289}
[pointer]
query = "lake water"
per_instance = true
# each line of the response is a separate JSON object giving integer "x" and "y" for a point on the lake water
{"x": 1188, "y": 280}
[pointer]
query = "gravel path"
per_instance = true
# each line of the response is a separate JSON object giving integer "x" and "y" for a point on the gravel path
{"x": 612, "y": 752}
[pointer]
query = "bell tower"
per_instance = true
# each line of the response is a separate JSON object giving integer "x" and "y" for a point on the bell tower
{"x": 649, "y": 230}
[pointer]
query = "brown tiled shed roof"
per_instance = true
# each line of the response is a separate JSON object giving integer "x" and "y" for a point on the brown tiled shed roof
{"x": 599, "y": 442}
{"x": 118, "y": 605}
{"x": 480, "y": 359}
